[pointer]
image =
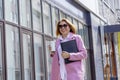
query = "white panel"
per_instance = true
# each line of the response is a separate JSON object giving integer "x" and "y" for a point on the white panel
{"x": 90, "y": 4}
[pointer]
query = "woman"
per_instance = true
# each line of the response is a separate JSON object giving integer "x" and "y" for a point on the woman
{"x": 74, "y": 70}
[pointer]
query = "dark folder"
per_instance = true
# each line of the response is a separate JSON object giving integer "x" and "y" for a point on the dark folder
{"x": 69, "y": 46}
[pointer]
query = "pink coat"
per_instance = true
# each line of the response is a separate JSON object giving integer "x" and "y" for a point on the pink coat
{"x": 75, "y": 69}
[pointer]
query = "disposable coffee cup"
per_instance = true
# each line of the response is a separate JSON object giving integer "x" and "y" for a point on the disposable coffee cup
{"x": 52, "y": 44}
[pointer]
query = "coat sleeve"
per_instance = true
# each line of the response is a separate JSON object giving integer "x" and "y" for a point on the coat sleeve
{"x": 82, "y": 54}
{"x": 55, "y": 72}
{"x": 55, "y": 68}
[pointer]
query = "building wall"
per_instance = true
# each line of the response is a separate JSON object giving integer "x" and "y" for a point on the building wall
{"x": 90, "y": 4}
{"x": 104, "y": 13}
{"x": 97, "y": 46}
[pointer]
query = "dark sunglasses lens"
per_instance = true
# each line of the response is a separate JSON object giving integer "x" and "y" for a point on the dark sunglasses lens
{"x": 59, "y": 26}
{"x": 64, "y": 25}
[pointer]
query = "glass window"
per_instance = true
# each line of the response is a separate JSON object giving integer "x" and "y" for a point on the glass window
{"x": 55, "y": 19}
{"x": 11, "y": 10}
{"x": 27, "y": 57}
{"x": 86, "y": 37}
{"x": 13, "y": 53}
{"x": 75, "y": 22}
{"x": 48, "y": 58}
{"x": 36, "y": 10}
{"x": 25, "y": 15}
{"x": 80, "y": 30}
{"x": 46, "y": 19}
{"x": 81, "y": 15}
{"x": 62, "y": 15}
{"x": 39, "y": 58}
{"x": 69, "y": 18}
{"x": 106, "y": 58}
{"x": 107, "y": 1}
{"x": 83, "y": 31}
{"x": 1, "y": 12}
{"x": 112, "y": 4}
{"x": 0, "y": 57}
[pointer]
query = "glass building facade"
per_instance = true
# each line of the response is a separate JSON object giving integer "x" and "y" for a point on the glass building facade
{"x": 28, "y": 26}
{"x": 26, "y": 29}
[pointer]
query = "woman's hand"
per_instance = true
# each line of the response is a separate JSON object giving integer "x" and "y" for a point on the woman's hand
{"x": 51, "y": 52}
{"x": 65, "y": 54}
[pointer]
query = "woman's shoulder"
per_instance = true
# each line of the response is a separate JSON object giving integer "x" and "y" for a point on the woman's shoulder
{"x": 76, "y": 35}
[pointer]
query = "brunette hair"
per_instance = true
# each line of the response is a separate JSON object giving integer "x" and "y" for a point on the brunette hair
{"x": 72, "y": 26}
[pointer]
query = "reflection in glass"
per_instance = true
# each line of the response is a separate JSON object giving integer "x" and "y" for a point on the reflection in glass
{"x": 86, "y": 42}
{"x": 48, "y": 58}
{"x": 1, "y": 12}
{"x": 38, "y": 52}
{"x": 0, "y": 57}
{"x": 69, "y": 18}
{"x": 75, "y": 22}
{"x": 36, "y": 10}
{"x": 107, "y": 1}
{"x": 86, "y": 37}
{"x": 47, "y": 19}
{"x": 27, "y": 57}
{"x": 62, "y": 15}
{"x": 54, "y": 20}
{"x": 13, "y": 53}
{"x": 106, "y": 59}
{"x": 80, "y": 30}
{"x": 11, "y": 10}
{"x": 25, "y": 16}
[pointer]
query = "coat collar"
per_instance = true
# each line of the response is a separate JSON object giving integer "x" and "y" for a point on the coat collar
{"x": 70, "y": 36}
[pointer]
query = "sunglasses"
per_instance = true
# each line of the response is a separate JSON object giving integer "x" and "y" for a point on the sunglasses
{"x": 64, "y": 25}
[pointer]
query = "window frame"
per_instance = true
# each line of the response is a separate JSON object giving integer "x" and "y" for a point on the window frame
{"x": 27, "y": 32}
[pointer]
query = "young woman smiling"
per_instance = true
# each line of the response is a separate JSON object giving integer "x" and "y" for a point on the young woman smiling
{"x": 66, "y": 31}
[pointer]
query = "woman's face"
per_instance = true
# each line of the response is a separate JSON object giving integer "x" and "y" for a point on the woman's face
{"x": 64, "y": 28}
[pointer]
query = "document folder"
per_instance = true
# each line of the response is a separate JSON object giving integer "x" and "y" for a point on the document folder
{"x": 69, "y": 46}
